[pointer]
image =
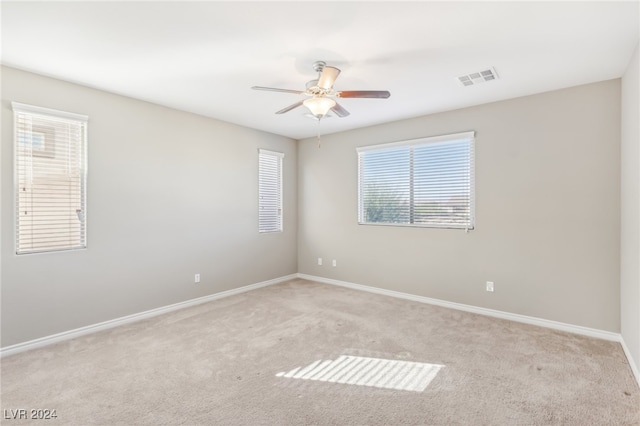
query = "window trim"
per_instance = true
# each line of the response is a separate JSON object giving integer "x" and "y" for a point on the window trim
{"x": 280, "y": 157}
{"x": 20, "y": 108}
{"x": 470, "y": 135}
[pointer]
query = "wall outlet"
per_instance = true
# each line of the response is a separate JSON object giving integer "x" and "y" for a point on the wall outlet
{"x": 490, "y": 286}
{"x": 334, "y": 263}
{"x": 319, "y": 261}
{"x": 196, "y": 279}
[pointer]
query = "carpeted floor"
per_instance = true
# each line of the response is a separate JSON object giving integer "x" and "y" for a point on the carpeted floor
{"x": 263, "y": 358}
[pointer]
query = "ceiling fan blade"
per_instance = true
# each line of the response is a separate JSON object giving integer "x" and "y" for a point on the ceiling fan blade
{"x": 273, "y": 89}
{"x": 328, "y": 77}
{"x": 289, "y": 108}
{"x": 340, "y": 111}
{"x": 380, "y": 94}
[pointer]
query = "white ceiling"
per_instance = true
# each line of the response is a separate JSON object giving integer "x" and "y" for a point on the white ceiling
{"x": 203, "y": 57}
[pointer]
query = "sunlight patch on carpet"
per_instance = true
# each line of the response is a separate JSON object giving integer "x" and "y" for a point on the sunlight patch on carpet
{"x": 375, "y": 372}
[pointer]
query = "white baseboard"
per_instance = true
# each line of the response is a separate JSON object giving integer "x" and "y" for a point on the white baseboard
{"x": 606, "y": 335}
{"x": 555, "y": 325}
{"x": 632, "y": 364}
{"x": 82, "y": 331}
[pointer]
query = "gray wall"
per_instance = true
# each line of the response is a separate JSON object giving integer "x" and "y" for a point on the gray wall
{"x": 170, "y": 194}
{"x": 630, "y": 226}
{"x": 547, "y": 210}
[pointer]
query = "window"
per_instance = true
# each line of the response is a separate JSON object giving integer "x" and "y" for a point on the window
{"x": 424, "y": 182}
{"x": 50, "y": 179}
{"x": 269, "y": 191}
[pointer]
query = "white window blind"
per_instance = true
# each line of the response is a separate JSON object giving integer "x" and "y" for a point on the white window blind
{"x": 269, "y": 191}
{"x": 50, "y": 179}
{"x": 423, "y": 182}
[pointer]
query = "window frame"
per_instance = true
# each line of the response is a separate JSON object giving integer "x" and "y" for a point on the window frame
{"x": 48, "y": 151}
{"x": 468, "y": 136}
{"x": 279, "y": 156}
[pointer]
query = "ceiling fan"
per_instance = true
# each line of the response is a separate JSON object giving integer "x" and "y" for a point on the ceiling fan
{"x": 322, "y": 95}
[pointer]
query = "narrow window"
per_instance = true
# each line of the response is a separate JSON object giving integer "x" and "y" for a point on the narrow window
{"x": 50, "y": 179}
{"x": 426, "y": 182}
{"x": 270, "y": 191}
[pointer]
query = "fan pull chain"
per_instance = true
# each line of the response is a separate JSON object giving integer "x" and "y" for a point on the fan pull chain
{"x": 318, "y": 133}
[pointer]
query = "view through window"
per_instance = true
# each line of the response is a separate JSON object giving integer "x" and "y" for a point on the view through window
{"x": 423, "y": 182}
{"x": 50, "y": 179}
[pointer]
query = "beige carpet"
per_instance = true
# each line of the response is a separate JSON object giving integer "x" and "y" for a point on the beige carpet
{"x": 263, "y": 358}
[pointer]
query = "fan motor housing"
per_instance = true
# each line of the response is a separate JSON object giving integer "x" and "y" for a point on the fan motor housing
{"x": 313, "y": 89}
{"x": 318, "y": 66}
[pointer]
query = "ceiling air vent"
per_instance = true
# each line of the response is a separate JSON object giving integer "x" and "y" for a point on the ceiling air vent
{"x": 478, "y": 77}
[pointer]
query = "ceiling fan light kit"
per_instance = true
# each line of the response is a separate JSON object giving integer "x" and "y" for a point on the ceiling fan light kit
{"x": 319, "y": 106}
{"x": 322, "y": 94}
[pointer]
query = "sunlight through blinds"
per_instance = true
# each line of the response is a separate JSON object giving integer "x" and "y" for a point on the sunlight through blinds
{"x": 364, "y": 371}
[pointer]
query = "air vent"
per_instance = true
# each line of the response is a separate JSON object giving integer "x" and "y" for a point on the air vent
{"x": 478, "y": 77}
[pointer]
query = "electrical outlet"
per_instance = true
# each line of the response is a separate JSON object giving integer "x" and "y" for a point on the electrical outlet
{"x": 334, "y": 263}
{"x": 319, "y": 261}
{"x": 490, "y": 286}
{"x": 196, "y": 279}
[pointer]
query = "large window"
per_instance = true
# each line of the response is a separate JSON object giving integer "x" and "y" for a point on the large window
{"x": 423, "y": 182}
{"x": 50, "y": 179}
{"x": 269, "y": 191}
